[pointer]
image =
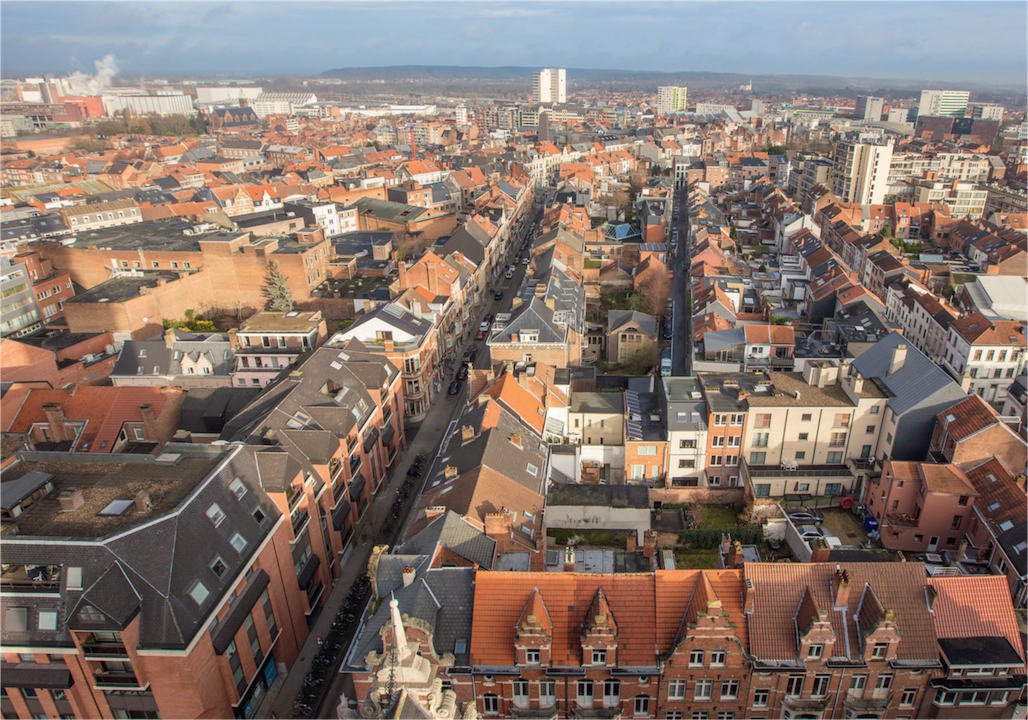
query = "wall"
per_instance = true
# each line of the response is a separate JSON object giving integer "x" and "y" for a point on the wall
{"x": 598, "y": 517}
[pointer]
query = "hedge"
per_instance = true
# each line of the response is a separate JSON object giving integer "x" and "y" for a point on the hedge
{"x": 710, "y": 538}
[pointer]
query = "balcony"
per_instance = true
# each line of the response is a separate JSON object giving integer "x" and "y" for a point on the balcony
{"x": 777, "y": 471}
{"x": 31, "y": 578}
{"x": 293, "y": 495}
{"x": 300, "y": 521}
{"x": 355, "y": 465}
{"x": 901, "y": 520}
{"x": 101, "y": 651}
{"x": 117, "y": 681}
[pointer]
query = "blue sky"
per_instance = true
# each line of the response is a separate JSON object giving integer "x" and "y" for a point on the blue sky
{"x": 954, "y": 41}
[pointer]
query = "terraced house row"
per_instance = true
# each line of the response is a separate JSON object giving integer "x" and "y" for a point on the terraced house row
{"x": 769, "y": 640}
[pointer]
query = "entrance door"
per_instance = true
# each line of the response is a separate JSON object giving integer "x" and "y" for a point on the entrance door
{"x": 933, "y": 543}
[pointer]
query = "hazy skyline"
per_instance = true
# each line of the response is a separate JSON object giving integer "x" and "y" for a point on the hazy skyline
{"x": 974, "y": 42}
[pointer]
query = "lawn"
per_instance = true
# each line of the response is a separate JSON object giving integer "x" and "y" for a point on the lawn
{"x": 696, "y": 559}
{"x": 600, "y": 538}
{"x": 715, "y": 516}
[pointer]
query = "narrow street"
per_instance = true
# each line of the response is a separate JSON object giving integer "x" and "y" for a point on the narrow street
{"x": 681, "y": 330}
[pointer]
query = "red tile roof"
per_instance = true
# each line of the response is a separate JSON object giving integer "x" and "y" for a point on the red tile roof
{"x": 999, "y": 498}
{"x": 969, "y": 417}
{"x": 975, "y": 606}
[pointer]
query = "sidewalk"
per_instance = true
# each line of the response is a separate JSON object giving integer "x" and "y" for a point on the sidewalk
{"x": 426, "y": 442}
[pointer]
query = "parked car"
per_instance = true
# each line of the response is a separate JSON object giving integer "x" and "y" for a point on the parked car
{"x": 480, "y": 335}
{"x": 525, "y": 261}
{"x": 667, "y": 332}
{"x": 454, "y": 388}
{"x": 497, "y": 295}
{"x": 666, "y": 353}
{"x": 489, "y": 318}
{"x": 805, "y": 516}
{"x": 462, "y": 373}
{"x": 665, "y": 367}
{"x": 470, "y": 355}
{"x": 810, "y": 532}
{"x": 484, "y": 326}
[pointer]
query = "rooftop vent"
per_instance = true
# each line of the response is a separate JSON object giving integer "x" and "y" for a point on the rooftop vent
{"x": 71, "y": 500}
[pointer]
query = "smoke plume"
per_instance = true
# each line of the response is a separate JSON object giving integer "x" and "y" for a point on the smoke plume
{"x": 83, "y": 84}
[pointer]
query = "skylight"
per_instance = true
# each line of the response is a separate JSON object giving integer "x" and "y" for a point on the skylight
{"x": 116, "y": 508}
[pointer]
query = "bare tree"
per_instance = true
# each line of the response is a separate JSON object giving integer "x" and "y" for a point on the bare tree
{"x": 403, "y": 245}
{"x": 622, "y": 203}
{"x": 655, "y": 291}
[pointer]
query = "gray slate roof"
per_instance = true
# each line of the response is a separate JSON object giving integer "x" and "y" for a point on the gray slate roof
{"x": 454, "y": 533}
{"x": 618, "y": 318}
{"x": 162, "y": 360}
{"x": 916, "y": 381}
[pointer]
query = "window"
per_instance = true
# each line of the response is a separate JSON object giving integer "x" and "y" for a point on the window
{"x": 820, "y": 688}
{"x": 762, "y": 420}
{"x": 238, "y": 542}
{"x": 199, "y": 592}
{"x": 585, "y": 692}
{"x": 716, "y": 460}
{"x": 735, "y": 441}
{"x": 74, "y": 575}
{"x": 717, "y": 658}
{"x": 945, "y": 698}
{"x": 704, "y": 689}
{"x": 871, "y": 429}
{"x": 962, "y": 502}
{"x": 884, "y": 682}
{"x": 729, "y": 689}
{"x": 642, "y": 705}
{"x": 760, "y": 439}
{"x": 879, "y": 651}
{"x": 259, "y": 515}
{"x": 673, "y": 715}
{"x": 521, "y": 693}
{"x": 611, "y": 692}
{"x": 687, "y": 444}
{"x": 547, "y": 693}
{"x": 806, "y": 417}
{"x": 490, "y": 705}
{"x": 803, "y": 437}
{"x": 215, "y": 514}
{"x": 47, "y": 619}
{"x": 599, "y": 657}
{"x": 908, "y": 696}
{"x": 696, "y": 658}
{"x": 762, "y": 489}
{"x": 758, "y": 458}
{"x": 700, "y": 715}
{"x": 720, "y": 420}
{"x": 760, "y": 698}
{"x": 647, "y": 450}
{"x": 834, "y": 458}
{"x": 532, "y": 657}
{"x": 238, "y": 488}
{"x": 685, "y": 464}
{"x": 218, "y": 566}
{"x": 838, "y": 439}
{"x": 89, "y": 614}
{"x": 726, "y": 715}
{"x": 676, "y": 689}
{"x": 814, "y": 651}
{"x": 717, "y": 441}
{"x": 738, "y": 419}
{"x": 794, "y": 686}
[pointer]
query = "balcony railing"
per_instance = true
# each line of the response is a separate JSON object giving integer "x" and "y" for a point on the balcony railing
{"x": 293, "y": 495}
{"x": 355, "y": 465}
{"x": 105, "y": 651}
{"x": 116, "y": 680}
{"x": 300, "y": 521}
{"x": 901, "y": 520}
{"x": 777, "y": 471}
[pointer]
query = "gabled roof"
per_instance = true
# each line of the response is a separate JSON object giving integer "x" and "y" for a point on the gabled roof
{"x": 968, "y": 417}
{"x": 618, "y": 318}
{"x": 974, "y": 606}
{"x": 915, "y": 382}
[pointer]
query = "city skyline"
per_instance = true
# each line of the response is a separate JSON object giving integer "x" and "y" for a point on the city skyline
{"x": 867, "y": 40}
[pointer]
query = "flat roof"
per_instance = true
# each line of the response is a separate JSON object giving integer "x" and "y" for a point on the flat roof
{"x": 120, "y": 289}
{"x": 102, "y": 483}
{"x": 272, "y": 322}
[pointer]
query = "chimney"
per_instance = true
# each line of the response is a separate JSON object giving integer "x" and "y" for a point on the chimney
{"x": 433, "y": 279}
{"x": 821, "y": 550}
{"x": 434, "y": 511}
{"x": 748, "y": 596}
{"x": 961, "y": 550}
{"x": 169, "y": 337}
{"x": 899, "y": 356}
{"x": 55, "y": 419}
{"x": 388, "y": 345}
{"x": 734, "y": 559}
{"x": 515, "y": 439}
{"x": 149, "y": 422}
{"x": 649, "y": 543}
{"x": 569, "y": 558}
{"x": 467, "y": 434}
{"x": 842, "y": 588}
{"x": 408, "y": 576}
{"x": 515, "y": 303}
{"x": 498, "y": 524}
{"x": 449, "y": 472}
{"x": 70, "y": 500}
{"x": 233, "y": 339}
{"x": 142, "y": 501}
{"x": 631, "y": 543}
{"x": 402, "y": 268}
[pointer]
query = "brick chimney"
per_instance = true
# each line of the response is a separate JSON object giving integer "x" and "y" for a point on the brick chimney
{"x": 631, "y": 542}
{"x": 569, "y": 559}
{"x": 402, "y": 269}
{"x": 498, "y": 524}
{"x": 389, "y": 345}
{"x": 434, "y": 511}
{"x": 748, "y": 596}
{"x": 55, "y": 420}
{"x": 70, "y": 500}
{"x": 467, "y": 434}
{"x": 842, "y": 588}
{"x": 734, "y": 558}
{"x": 649, "y": 543}
{"x": 449, "y": 472}
{"x": 142, "y": 501}
{"x": 515, "y": 439}
{"x": 821, "y": 550}
{"x": 169, "y": 337}
{"x": 149, "y": 422}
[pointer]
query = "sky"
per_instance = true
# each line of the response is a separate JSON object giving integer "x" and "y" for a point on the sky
{"x": 974, "y": 42}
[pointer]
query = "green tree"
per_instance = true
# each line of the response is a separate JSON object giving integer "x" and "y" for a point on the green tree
{"x": 780, "y": 320}
{"x": 276, "y": 290}
{"x": 776, "y": 150}
{"x": 886, "y": 232}
{"x": 637, "y": 302}
{"x": 762, "y": 268}
{"x": 732, "y": 233}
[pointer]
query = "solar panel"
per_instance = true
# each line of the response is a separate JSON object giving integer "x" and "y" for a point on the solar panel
{"x": 634, "y": 430}
{"x": 632, "y": 400}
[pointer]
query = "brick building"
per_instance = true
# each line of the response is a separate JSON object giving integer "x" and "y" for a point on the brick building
{"x": 269, "y": 342}
{"x": 58, "y": 358}
{"x": 51, "y": 288}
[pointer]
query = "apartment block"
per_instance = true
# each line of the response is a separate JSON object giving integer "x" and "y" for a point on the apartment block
{"x": 860, "y": 171}
{"x": 269, "y": 342}
{"x": 869, "y": 108}
{"x": 984, "y": 356}
{"x": 549, "y": 85}
{"x": 949, "y": 103}
{"x": 671, "y": 99}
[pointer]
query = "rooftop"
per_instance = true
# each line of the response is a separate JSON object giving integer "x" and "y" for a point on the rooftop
{"x": 123, "y": 287}
{"x": 103, "y": 483}
{"x": 281, "y": 322}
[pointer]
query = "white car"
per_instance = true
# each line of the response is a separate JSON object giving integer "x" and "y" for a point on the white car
{"x": 811, "y": 532}
{"x": 484, "y": 326}
{"x": 665, "y": 367}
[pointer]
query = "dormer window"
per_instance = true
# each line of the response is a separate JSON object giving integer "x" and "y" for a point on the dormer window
{"x": 532, "y": 657}
{"x": 879, "y": 651}
{"x": 599, "y": 657}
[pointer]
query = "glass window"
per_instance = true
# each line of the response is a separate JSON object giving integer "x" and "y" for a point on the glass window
{"x": 729, "y": 689}
{"x": 532, "y": 657}
{"x": 199, "y": 592}
{"x": 794, "y": 686}
{"x": 704, "y": 689}
{"x": 676, "y": 689}
{"x": 717, "y": 658}
{"x": 820, "y": 688}
{"x": 642, "y": 705}
{"x": 696, "y": 658}
{"x": 760, "y": 698}
{"x": 490, "y": 704}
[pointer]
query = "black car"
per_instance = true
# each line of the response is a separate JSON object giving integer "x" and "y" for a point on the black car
{"x": 489, "y": 318}
{"x": 463, "y": 372}
{"x": 472, "y": 354}
{"x": 667, "y": 332}
{"x": 497, "y": 295}
{"x": 454, "y": 388}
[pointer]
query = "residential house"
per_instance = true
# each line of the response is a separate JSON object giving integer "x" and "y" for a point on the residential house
{"x": 629, "y": 332}
{"x": 984, "y": 356}
{"x": 180, "y": 359}
{"x": 269, "y": 342}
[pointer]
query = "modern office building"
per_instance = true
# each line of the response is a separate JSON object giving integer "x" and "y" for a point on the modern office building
{"x": 950, "y": 103}
{"x": 861, "y": 171}
{"x": 869, "y": 108}
{"x": 549, "y": 85}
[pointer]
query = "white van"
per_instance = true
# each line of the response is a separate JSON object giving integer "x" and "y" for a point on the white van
{"x": 510, "y": 272}
{"x": 665, "y": 367}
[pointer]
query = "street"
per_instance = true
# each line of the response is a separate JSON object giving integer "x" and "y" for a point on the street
{"x": 681, "y": 329}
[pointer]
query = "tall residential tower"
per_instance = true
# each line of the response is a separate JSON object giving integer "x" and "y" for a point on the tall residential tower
{"x": 550, "y": 85}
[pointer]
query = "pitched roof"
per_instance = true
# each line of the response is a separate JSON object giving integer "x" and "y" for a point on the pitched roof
{"x": 917, "y": 380}
{"x": 974, "y": 606}
{"x": 968, "y": 417}
{"x": 501, "y": 597}
{"x": 976, "y": 329}
{"x": 999, "y": 499}
{"x": 778, "y": 590}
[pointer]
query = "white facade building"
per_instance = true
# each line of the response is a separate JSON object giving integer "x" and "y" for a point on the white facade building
{"x": 671, "y": 99}
{"x": 950, "y": 103}
{"x": 549, "y": 85}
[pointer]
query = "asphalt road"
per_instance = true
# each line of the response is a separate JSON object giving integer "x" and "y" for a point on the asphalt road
{"x": 681, "y": 329}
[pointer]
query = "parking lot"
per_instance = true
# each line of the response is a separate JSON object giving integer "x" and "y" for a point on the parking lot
{"x": 845, "y": 525}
